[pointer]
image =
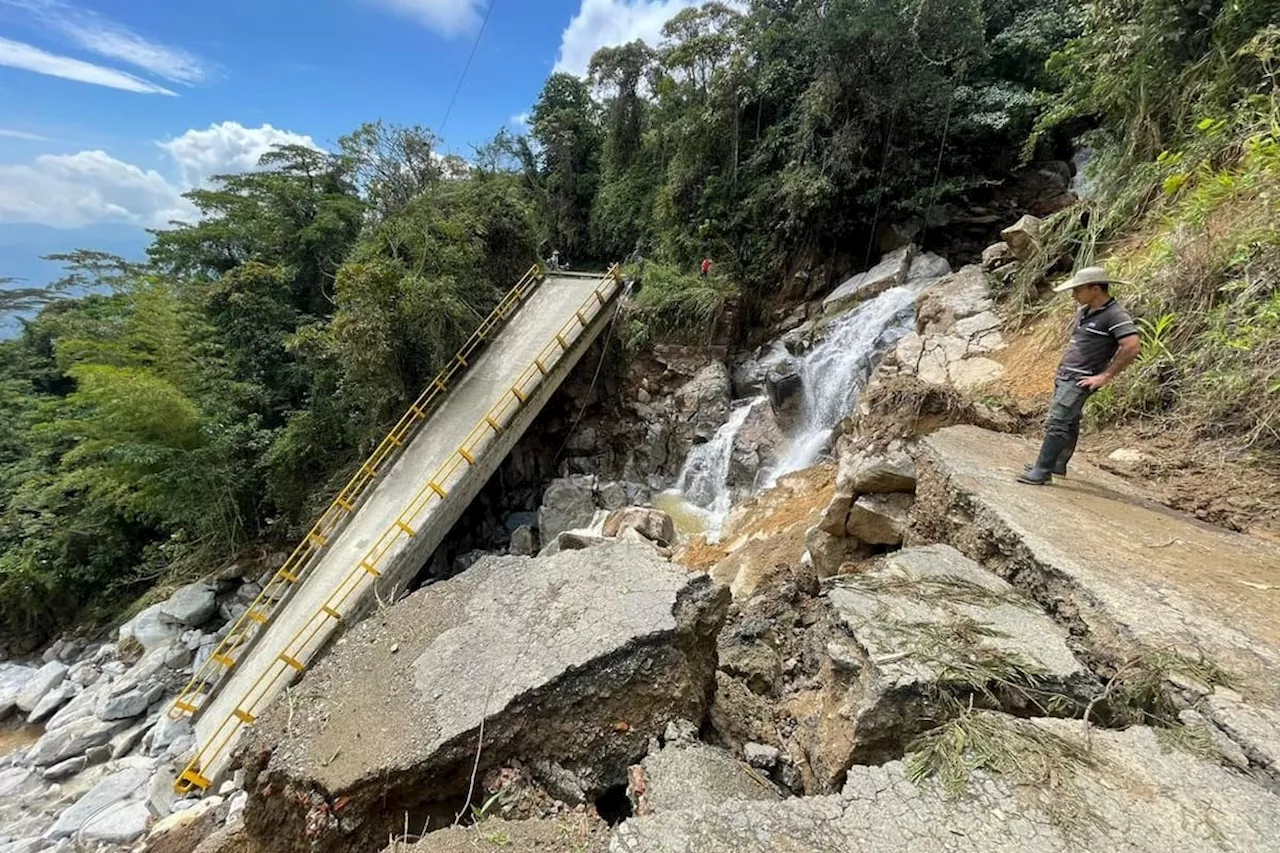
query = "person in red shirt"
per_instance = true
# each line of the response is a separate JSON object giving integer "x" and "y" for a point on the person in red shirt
{"x": 706, "y": 267}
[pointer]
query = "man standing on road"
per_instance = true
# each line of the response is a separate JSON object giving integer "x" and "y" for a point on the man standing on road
{"x": 1104, "y": 341}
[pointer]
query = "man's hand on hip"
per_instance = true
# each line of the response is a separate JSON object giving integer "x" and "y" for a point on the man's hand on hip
{"x": 1093, "y": 383}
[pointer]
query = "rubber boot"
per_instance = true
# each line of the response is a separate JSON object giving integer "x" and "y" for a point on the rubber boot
{"x": 1041, "y": 473}
{"x": 1059, "y": 468}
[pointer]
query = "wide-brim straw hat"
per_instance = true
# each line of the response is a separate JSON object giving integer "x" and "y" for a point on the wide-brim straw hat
{"x": 1088, "y": 275}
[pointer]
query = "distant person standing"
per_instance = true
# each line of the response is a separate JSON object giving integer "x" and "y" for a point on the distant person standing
{"x": 554, "y": 263}
{"x": 706, "y": 268}
{"x": 1104, "y": 341}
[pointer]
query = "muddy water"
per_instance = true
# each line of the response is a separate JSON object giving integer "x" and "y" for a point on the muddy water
{"x": 16, "y": 736}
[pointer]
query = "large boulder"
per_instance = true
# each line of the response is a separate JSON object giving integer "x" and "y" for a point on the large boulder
{"x": 869, "y": 470}
{"x": 756, "y": 448}
{"x": 1023, "y": 237}
{"x": 570, "y": 663}
{"x": 879, "y": 519}
{"x": 653, "y": 524}
{"x": 151, "y": 628}
{"x": 129, "y": 785}
{"x": 891, "y": 271}
{"x": 925, "y": 632}
{"x": 701, "y": 405}
{"x": 567, "y": 504}
{"x": 191, "y": 606}
{"x": 956, "y": 332}
{"x": 73, "y": 739}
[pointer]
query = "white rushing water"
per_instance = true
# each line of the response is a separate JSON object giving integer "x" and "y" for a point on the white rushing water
{"x": 834, "y": 372}
{"x": 704, "y": 479}
{"x": 837, "y": 369}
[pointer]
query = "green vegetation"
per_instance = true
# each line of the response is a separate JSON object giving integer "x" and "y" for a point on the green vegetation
{"x": 214, "y": 397}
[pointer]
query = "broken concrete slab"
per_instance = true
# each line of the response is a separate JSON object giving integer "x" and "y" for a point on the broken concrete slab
{"x": 573, "y": 662}
{"x": 682, "y": 776}
{"x": 1138, "y": 585}
{"x": 1131, "y": 794}
{"x": 924, "y": 633}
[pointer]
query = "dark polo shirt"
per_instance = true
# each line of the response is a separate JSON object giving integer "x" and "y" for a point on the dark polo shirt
{"x": 1094, "y": 340}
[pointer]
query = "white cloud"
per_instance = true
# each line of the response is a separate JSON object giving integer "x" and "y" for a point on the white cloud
{"x": 16, "y": 54}
{"x": 73, "y": 190}
{"x": 446, "y": 17}
{"x": 226, "y": 148}
{"x": 68, "y": 191}
{"x": 95, "y": 33}
{"x": 609, "y": 23}
{"x": 22, "y": 134}
{"x": 520, "y": 121}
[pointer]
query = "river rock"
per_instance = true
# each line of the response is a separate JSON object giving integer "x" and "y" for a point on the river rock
{"x": 191, "y": 606}
{"x": 927, "y": 266}
{"x": 122, "y": 823}
{"x": 701, "y": 406}
{"x": 567, "y": 504}
{"x": 923, "y": 626}
{"x": 13, "y": 680}
{"x": 150, "y": 628}
{"x": 572, "y": 663}
{"x": 653, "y": 524}
{"x": 84, "y": 673}
{"x": 879, "y": 519}
{"x": 126, "y": 706}
{"x": 63, "y": 769}
{"x": 784, "y": 384}
{"x": 127, "y": 785}
{"x": 53, "y": 700}
{"x": 71, "y": 740}
{"x": 891, "y": 271}
{"x": 1023, "y": 237}
{"x": 756, "y": 449}
{"x": 46, "y": 678}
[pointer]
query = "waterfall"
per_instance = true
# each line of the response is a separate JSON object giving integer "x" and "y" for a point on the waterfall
{"x": 836, "y": 370}
{"x": 703, "y": 481}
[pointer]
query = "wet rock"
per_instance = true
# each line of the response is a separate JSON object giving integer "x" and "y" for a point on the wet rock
{"x": 127, "y": 785}
{"x": 784, "y": 384}
{"x": 653, "y": 524}
{"x": 879, "y": 519}
{"x": 577, "y": 660}
{"x": 701, "y": 406}
{"x": 524, "y": 542}
{"x": 925, "y": 626}
{"x": 46, "y": 678}
{"x": 756, "y": 449}
{"x": 567, "y": 504}
{"x": 71, "y": 740}
{"x": 191, "y": 605}
{"x": 1023, "y": 237}
{"x": 891, "y": 271}
{"x": 1134, "y": 795}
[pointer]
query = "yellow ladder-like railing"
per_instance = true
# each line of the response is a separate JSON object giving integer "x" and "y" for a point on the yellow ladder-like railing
{"x": 308, "y": 640}
{"x": 295, "y": 569}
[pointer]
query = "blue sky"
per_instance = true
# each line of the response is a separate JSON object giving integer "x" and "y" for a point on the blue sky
{"x": 110, "y": 109}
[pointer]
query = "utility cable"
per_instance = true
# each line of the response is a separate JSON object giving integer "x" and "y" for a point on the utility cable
{"x": 467, "y": 67}
{"x": 604, "y": 353}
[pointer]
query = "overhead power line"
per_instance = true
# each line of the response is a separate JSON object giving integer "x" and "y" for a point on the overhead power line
{"x": 467, "y": 67}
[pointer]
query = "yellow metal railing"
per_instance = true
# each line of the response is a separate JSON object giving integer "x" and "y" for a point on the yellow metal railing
{"x": 307, "y": 641}
{"x": 299, "y": 563}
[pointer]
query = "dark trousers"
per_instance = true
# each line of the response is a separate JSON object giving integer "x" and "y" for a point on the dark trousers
{"x": 1062, "y": 427}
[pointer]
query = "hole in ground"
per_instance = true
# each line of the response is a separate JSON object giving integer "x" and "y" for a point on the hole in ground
{"x": 614, "y": 806}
